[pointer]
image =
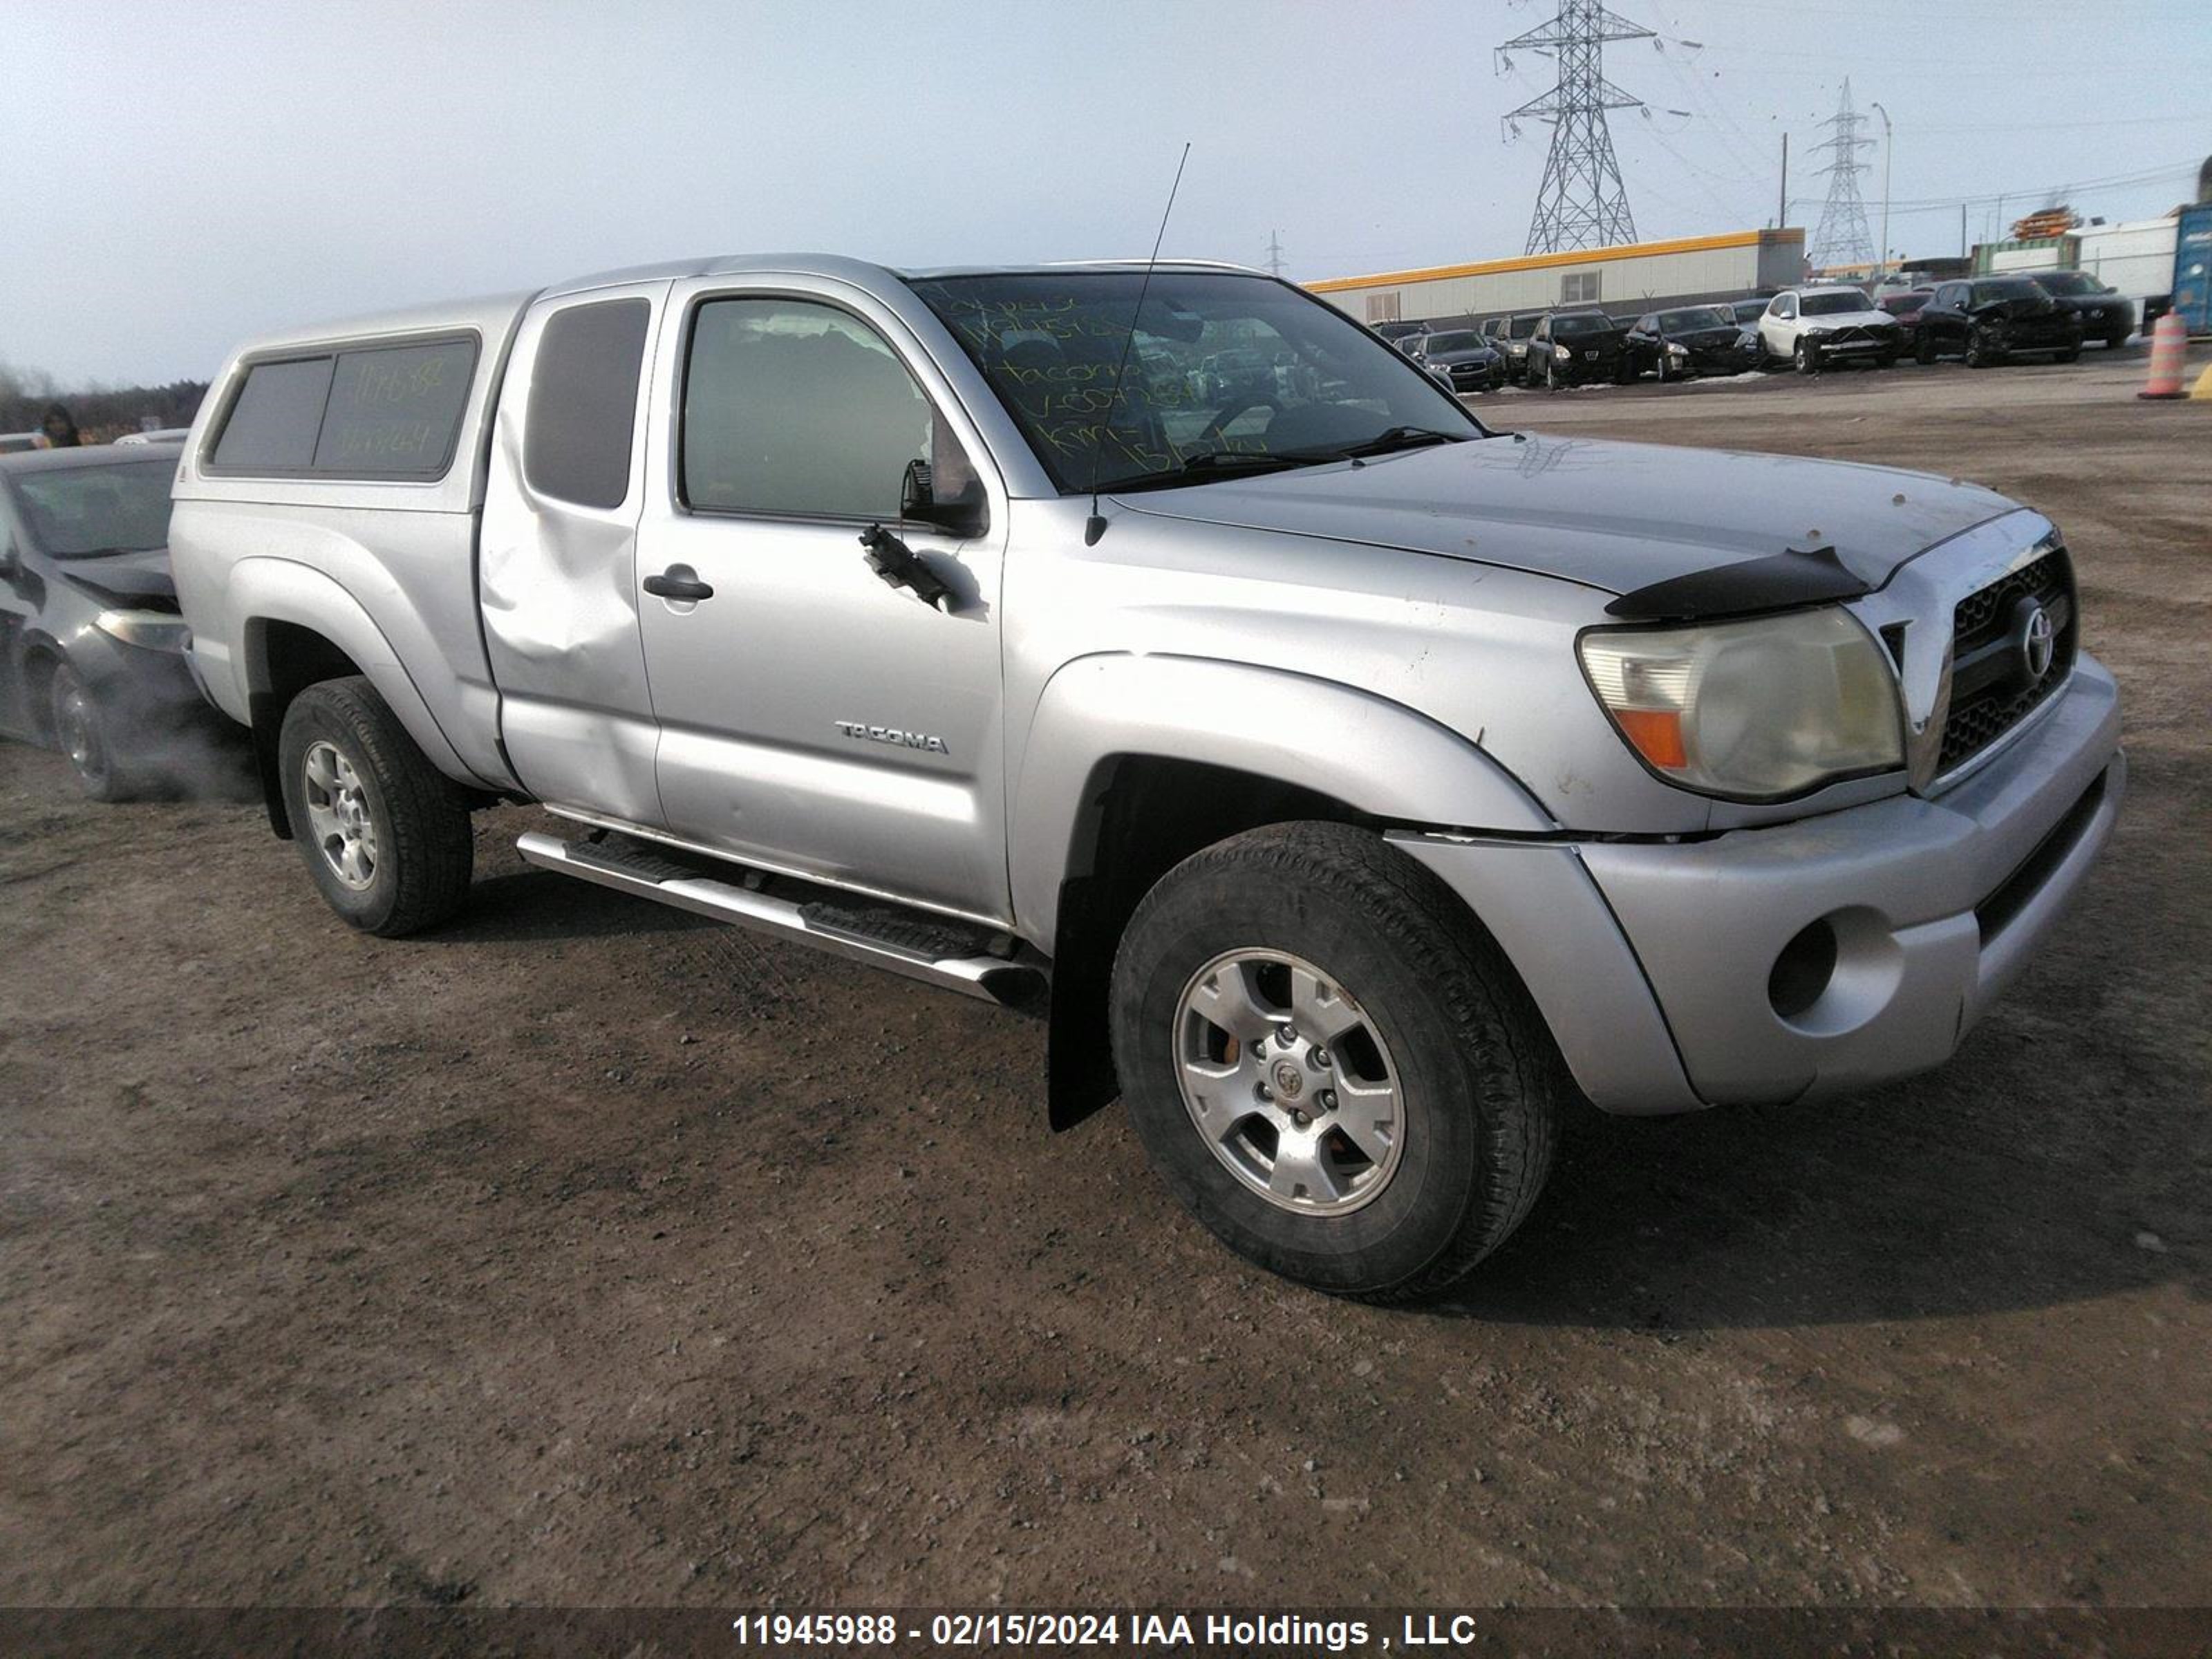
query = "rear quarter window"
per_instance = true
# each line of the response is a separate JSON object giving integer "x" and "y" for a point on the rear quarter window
{"x": 583, "y": 402}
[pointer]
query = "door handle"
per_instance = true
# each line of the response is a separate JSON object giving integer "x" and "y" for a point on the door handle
{"x": 670, "y": 585}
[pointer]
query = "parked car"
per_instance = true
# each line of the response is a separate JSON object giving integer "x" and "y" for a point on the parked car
{"x": 1397, "y": 332}
{"x": 1817, "y": 328}
{"x": 1748, "y": 311}
{"x": 1991, "y": 319}
{"x": 168, "y": 434}
{"x": 1351, "y": 796}
{"x": 1509, "y": 336}
{"x": 1462, "y": 360}
{"x": 2106, "y": 314}
{"x": 1690, "y": 340}
{"x": 1905, "y": 305}
{"x": 1570, "y": 348}
{"x": 91, "y": 643}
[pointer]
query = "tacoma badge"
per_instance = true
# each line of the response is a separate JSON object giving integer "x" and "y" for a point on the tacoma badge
{"x": 892, "y": 734}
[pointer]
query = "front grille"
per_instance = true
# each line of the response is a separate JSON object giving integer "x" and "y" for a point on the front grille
{"x": 1989, "y": 692}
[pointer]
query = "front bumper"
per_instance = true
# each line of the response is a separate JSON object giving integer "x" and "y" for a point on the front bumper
{"x": 1653, "y": 962}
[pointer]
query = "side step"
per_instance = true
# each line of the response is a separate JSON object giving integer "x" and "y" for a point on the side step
{"x": 934, "y": 950}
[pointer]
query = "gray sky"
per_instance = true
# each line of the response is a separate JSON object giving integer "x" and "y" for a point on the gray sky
{"x": 180, "y": 176}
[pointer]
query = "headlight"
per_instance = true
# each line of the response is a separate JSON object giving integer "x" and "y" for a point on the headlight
{"x": 1750, "y": 710}
{"x": 150, "y": 631}
{"x": 1561, "y": 352}
{"x": 1676, "y": 350}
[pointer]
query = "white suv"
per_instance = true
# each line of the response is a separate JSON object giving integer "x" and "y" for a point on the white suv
{"x": 1813, "y": 327}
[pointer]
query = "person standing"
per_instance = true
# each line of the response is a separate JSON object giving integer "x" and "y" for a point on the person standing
{"x": 59, "y": 430}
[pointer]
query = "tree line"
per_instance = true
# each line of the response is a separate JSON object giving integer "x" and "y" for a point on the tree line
{"x": 103, "y": 413}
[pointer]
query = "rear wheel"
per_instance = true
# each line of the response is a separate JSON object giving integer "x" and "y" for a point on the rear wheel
{"x": 384, "y": 834}
{"x": 1331, "y": 1064}
{"x": 81, "y": 732}
{"x": 1924, "y": 350}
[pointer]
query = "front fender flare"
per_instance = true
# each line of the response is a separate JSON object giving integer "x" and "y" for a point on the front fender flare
{"x": 1383, "y": 759}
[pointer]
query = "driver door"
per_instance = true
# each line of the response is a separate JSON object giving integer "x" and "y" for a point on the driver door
{"x": 813, "y": 718}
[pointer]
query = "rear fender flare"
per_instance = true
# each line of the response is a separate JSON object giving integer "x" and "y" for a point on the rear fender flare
{"x": 266, "y": 589}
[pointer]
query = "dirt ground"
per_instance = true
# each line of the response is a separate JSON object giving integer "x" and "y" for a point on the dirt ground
{"x": 582, "y": 1253}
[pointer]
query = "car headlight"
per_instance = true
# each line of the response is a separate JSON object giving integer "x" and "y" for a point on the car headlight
{"x": 149, "y": 631}
{"x": 1561, "y": 352}
{"x": 1750, "y": 710}
{"x": 1675, "y": 348}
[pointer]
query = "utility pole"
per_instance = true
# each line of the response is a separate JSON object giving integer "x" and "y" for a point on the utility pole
{"x": 1782, "y": 207}
{"x": 1275, "y": 253}
{"x": 1888, "y": 142}
{"x": 1962, "y": 230}
{"x": 1582, "y": 201}
{"x": 1843, "y": 238}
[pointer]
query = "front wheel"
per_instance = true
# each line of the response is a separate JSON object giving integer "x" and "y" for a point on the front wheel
{"x": 1331, "y": 1064}
{"x": 2071, "y": 355}
{"x": 1806, "y": 356}
{"x": 384, "y": 834}
{"x": 1980, "y": 353}
{"x": 81, "y": 732}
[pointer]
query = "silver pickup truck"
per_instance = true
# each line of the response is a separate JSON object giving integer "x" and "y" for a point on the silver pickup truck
{"x": 1352, "y": 788}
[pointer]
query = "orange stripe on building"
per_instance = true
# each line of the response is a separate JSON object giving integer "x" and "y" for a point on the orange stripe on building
{"x": 1552, "y": 261}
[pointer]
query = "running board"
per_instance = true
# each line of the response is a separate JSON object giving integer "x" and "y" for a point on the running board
{"x": 924, "y": 947}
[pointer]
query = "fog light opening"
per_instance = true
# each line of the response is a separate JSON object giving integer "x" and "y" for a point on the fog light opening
{"x": 1800, "y": 973}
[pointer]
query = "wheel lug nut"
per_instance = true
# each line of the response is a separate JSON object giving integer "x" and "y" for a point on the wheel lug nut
{"x": 1286, "y": 1034}
{"x": 1263, "y": 1092}
{"x": 1302, "y": 1119}
{"x": 1329, "y": 1100}
{"x": 1321, "y": 1058}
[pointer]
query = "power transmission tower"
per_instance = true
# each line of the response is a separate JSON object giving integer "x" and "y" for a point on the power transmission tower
{"x": 1582, "y": 201}
{"x": 1275, "y": 253}
{"x": 1843, "y": 238}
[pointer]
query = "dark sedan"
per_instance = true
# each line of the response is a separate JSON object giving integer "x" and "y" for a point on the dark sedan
{"x": 1690, "y": 340}
{"x": 1462, "y": 360}
{"x": 1570, "y": 348}
{"x": 2106, "y": 313}
{"x": 91, "y": 640}
{"x": 1990, "y": 319}
{"x": 1907, "y": 308}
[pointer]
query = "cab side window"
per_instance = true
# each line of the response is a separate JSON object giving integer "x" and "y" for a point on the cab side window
{"x": 583, "y": 402}
{"x": 797, "y": 409}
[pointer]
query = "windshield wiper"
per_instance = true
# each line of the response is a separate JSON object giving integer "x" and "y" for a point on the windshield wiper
{"x": 1218, "y": 463}
{"x": 1394, "y": 438}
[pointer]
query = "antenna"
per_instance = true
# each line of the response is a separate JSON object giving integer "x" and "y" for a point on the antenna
{"x": 1094, "y": 526}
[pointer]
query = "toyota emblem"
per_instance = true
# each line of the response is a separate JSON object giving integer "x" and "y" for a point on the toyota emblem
{"x": 2034, "y": 639}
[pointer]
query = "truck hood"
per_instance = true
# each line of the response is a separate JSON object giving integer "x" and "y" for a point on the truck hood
{"x": 1613, "y": 516}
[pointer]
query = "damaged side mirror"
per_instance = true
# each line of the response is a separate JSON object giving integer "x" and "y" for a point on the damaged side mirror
{"x": 962, "y": 514}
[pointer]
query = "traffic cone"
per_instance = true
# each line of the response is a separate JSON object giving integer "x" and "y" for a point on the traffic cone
{"x": 2169, "y": 346}
{"x": 2202, "y": 392}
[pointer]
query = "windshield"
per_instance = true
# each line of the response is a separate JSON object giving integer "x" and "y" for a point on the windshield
{"x": 1834, "y": 303}
{"x": 1582, "y": 325}
{"x": 76, "y": 512}
{"x": 1750, "y": 311}
{"x": 1681, "y": 322}
{"x": 2017, "y": 288}
{"x": 1225, "y": 365}
{"x": 2070, "y": 282}
{"x": 1459, "y": 340}
{"x": 1898, "y": 304}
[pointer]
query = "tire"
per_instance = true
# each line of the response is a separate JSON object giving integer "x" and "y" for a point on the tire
{"x": 80, "y": 726}
{"x": 1923, "y": 351}
{"x": 1551, "y": 374}
{"x": 2114, "y": 342}
{"x": 1889, "y": 360}
{"x": 2071, "y": 355}
{"x": 411, "y": 868}
{"x": 1979, "y": 353}
{"x": 1806, "y": 357}
{"x": 1442, "y": 1018}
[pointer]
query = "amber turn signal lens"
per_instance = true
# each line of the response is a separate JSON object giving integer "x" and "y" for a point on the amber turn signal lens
{"x": 1656, "y": 733}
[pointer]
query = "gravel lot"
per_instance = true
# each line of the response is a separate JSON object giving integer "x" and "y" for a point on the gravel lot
{"x": 585, "y": 1254}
